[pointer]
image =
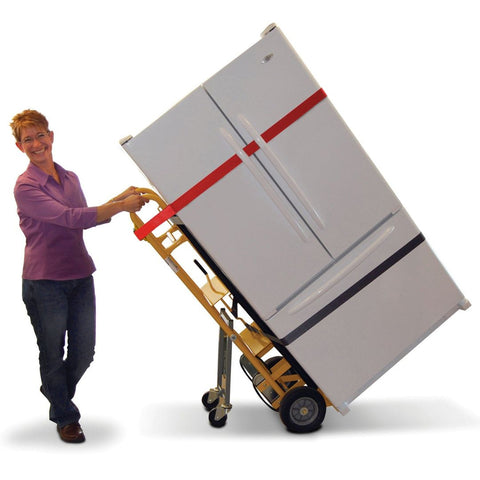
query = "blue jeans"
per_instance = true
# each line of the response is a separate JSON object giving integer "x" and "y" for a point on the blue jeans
{"x": 56, "y": 308}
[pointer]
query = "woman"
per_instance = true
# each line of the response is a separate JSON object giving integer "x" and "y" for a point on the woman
{"x": 58, "y": 288}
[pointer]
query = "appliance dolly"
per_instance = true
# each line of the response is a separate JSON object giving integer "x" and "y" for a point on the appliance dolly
{"x": 302, "y": 408}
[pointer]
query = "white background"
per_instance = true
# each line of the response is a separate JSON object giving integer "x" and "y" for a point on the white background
{"x": 405, "y": 77}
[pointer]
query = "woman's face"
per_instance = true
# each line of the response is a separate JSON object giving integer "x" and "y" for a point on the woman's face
{"x": 36, "y": 143}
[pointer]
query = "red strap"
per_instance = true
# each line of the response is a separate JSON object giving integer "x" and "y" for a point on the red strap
{"x": 228, "y": 166}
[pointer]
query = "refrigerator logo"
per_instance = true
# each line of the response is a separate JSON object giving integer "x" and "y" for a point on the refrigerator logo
{"x": 267, "y": 58}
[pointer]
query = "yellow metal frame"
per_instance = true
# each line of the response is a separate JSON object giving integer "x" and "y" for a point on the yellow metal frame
{"x": 251, "y": 341}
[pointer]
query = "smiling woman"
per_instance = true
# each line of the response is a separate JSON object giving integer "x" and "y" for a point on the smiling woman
{"x": 58, "y": 289}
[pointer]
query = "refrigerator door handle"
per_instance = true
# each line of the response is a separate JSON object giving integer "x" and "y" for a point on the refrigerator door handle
{"x": 277, "y": 199}
{"x": 368, "y": 249}
{"x": 270, "y": 154}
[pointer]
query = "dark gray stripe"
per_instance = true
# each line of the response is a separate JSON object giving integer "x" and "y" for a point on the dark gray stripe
{"x": 353, "y": 290}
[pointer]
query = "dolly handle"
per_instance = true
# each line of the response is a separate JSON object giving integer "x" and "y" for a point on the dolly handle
{"x": 150, "y": 195}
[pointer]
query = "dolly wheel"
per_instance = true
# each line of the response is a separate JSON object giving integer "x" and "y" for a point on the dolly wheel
{"x": 217, "y": 422}
{"x": 209, "y": 405}
{"x": 302, "y": 410}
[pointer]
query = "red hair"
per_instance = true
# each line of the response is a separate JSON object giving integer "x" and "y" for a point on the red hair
{"x": 27, "y": 118}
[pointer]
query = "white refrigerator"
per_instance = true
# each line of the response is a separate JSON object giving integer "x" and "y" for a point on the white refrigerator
{"x": 304, "y": 231}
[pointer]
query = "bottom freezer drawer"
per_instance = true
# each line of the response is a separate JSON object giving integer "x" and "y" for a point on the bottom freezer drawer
{"x": 354, "y": 345}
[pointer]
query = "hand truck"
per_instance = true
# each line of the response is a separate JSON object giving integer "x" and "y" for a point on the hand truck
{"x": 301, "y": 408}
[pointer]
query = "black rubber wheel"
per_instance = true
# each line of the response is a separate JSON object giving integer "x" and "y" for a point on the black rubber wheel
{"x": 209, "y": 405}
{"x": 302, "y": 410}
{"x": 217, "y": 423}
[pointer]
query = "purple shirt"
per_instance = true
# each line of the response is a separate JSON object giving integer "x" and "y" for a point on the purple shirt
{"x": 53, "y": 217}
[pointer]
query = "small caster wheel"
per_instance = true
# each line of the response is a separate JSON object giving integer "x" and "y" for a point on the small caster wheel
{"x": 217, "y": 422}
{"x": 302, "y": 410}
{"x": 208, "y": 403}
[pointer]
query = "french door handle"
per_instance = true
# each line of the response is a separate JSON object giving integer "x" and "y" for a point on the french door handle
{"x": 281, "y": 169}
{"x": 279, "y": 201}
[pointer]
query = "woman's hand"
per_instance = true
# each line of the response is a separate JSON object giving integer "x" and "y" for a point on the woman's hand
{"x": 134, "y": 202}
{"x": 129, "y": 191}
{"x": 128, "y": 201}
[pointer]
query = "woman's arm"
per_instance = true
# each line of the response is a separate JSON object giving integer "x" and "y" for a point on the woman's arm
{"x": 35, "y": 203}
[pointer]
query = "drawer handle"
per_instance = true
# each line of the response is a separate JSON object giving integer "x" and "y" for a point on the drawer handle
{"x": 344, "y": 272}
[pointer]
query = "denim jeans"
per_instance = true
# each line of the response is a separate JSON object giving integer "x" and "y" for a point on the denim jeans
{"x": 60, "y": 310}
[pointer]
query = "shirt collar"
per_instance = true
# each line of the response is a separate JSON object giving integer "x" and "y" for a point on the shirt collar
{"x": 41, "y": 176}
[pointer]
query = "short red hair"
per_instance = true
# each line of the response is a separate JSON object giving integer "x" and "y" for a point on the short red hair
{"x": 27, "y": 118}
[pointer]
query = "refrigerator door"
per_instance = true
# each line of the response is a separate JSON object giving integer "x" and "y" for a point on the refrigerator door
{"x": 350, "y": 349}
{"x": 316, "y": 161}
{"x": 243, "y": 221}
{"x": 368, "y": 311}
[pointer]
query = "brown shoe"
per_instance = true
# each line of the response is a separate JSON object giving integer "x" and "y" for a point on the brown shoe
{"x": 71, "y": 433}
